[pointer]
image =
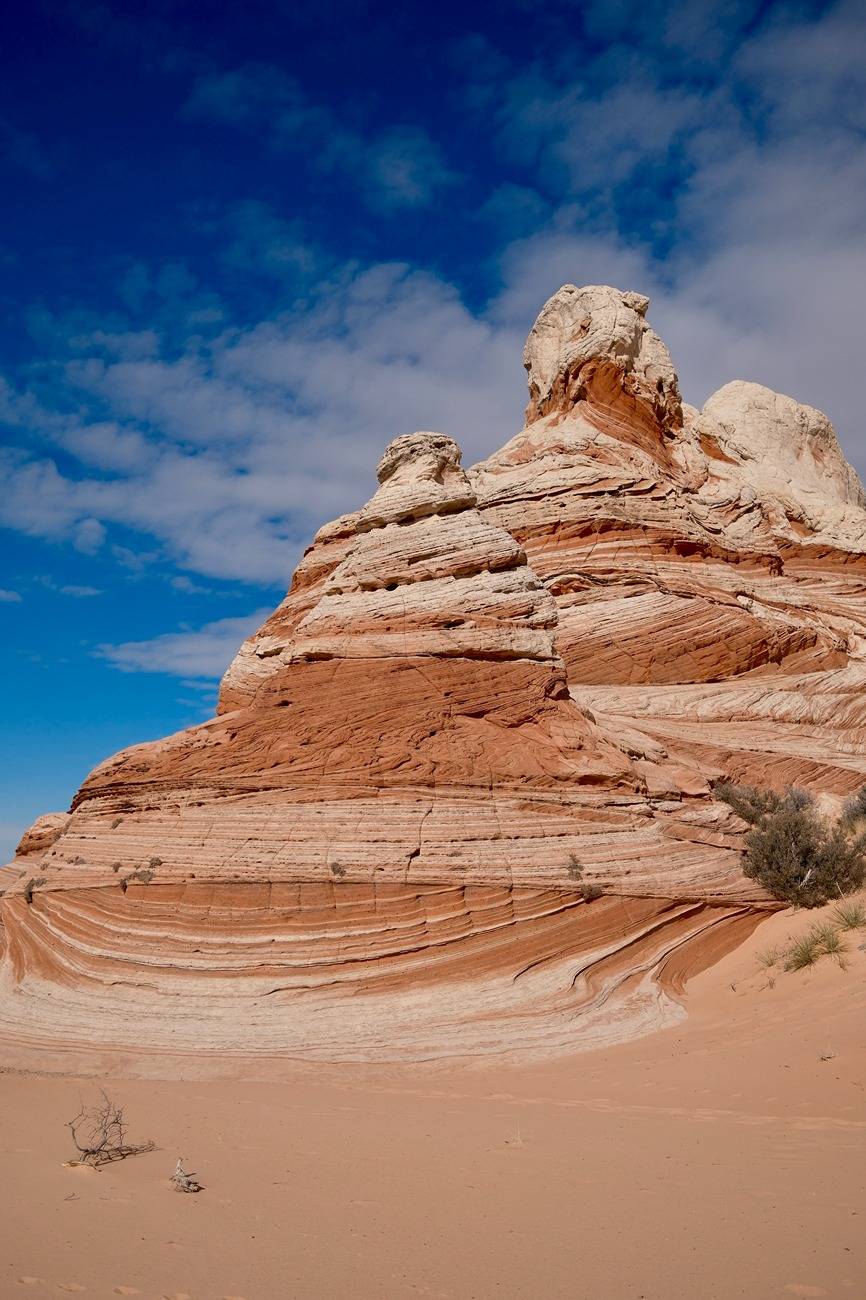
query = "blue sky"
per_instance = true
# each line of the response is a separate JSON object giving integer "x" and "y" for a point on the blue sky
{"x": 242, "y": 247}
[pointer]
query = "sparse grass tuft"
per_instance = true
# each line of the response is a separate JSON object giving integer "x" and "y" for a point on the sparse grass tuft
{"x": 821, "y": 941}
{"x": 850, "y": 916}
{"x": 770, "y": 957}
{"x": 803, "y": 952}
{"x": 589, "y": 893}
{"x": 830, "y": 941}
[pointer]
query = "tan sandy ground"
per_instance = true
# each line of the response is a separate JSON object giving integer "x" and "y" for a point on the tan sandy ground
{"x": 723, "y": 1158}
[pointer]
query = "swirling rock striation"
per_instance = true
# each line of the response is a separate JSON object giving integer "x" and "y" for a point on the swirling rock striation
{"x": 485, "y": 691}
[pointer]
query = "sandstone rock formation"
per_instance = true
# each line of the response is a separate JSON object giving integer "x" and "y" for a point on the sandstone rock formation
{"x": 596, "y": 340}
{"x": 485, "y": 691}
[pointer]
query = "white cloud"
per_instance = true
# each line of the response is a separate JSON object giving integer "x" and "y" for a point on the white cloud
{"x": 88, "y": 536}
{"x": 203, "y": 653}
{"x": 227, "y": 452}
{"x": 261, "y": 435}
{"x": 9, "y": 597}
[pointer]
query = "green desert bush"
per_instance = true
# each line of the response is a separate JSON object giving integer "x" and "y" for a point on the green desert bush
{"x": 793, "y": 852}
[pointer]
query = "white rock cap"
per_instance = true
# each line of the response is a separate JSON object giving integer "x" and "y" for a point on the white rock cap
{"x": 598, "y": 323}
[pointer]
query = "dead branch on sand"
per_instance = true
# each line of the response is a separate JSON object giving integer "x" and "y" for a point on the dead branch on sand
{"x": 99, "y": 1134}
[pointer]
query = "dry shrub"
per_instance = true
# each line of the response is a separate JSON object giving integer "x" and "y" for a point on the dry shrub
{"x": 99, "y": 1134}
{"x": 574, "y": 867}
{"x": 33, "y": 883}
{"x": 794, "y": 853}
{"x": 855, "y": 807}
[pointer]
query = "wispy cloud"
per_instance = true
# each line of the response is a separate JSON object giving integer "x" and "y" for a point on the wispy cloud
{"x": 246, "y": 444}
{"x": 24, "y": 150}
{"x": 78, "y": 591}
{"x": 182, "y": 582}
{"x": 9, "y": 597}
{"x": 190, "y": 654}
{"x": 395, "y": 167}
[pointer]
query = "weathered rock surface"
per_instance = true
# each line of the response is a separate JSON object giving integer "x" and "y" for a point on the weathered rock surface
{"x": 42, "y": 834}
{"x": 595, "y": 342}
{"x": 484, "y": 691}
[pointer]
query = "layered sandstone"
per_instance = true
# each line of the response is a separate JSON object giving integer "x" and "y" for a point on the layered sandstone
{"x": 484, "y": 691}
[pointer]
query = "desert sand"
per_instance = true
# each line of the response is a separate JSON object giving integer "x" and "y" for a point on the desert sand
{"x": 722, "y": 1157}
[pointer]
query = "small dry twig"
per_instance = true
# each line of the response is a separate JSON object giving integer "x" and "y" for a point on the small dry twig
{"x": 184, "y": 1182}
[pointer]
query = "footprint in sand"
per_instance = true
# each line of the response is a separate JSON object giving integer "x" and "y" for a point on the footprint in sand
{"x": 126, "y": 1290}
{"x": 30, "y": 1281}
{"x": 71, "y": 1286}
